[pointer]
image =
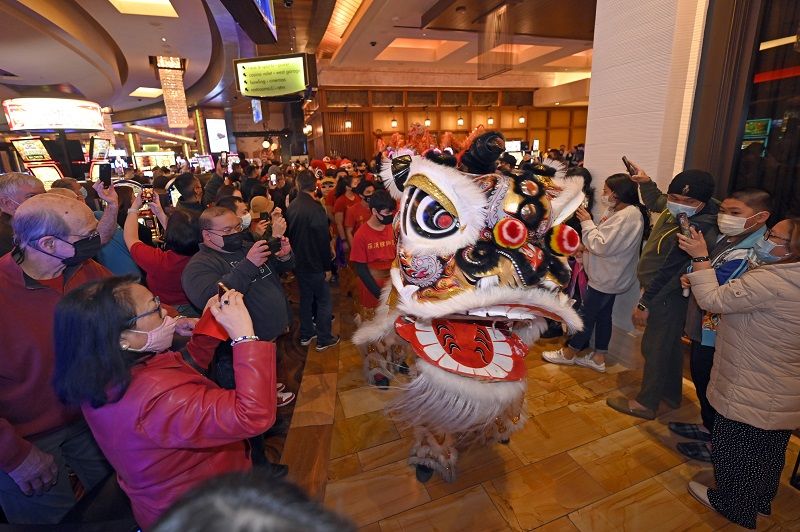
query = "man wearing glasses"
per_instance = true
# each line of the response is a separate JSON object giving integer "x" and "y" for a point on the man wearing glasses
{"x": 251, "y": 269}
{"x": 39, "y": 437}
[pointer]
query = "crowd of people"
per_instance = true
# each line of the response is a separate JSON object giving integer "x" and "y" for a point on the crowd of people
{"x": 94, "y": 304}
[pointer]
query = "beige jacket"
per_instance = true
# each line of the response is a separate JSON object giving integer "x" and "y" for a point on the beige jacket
{"x": 756, "y": 374}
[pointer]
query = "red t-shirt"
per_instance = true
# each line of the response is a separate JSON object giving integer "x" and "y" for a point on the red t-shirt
{"x": 164, "y": 270}
{"x": 357, "y": 215}
{"x": 330, "y": 198}
{"x": 377, "y": 250}
{"x": 343, "y": 202}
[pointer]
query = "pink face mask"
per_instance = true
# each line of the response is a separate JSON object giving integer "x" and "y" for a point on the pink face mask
{"x": 158, "y": 339}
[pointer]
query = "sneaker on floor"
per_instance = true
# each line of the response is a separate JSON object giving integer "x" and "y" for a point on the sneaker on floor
{"x": 307, "y": 341}
{"x": 557, "y": 357}
{"x": 280, "y": 387}
{"x": 323, "y": 347}
{"x": 588, "y": 361}
{"x": 693, "y": 431}
{"x": 284, "y": 398}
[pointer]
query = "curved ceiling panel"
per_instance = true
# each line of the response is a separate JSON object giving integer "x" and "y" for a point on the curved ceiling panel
{"x": 45, "y": 44}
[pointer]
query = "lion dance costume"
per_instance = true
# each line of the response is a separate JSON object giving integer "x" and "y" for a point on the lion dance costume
{"x": 481, "y": 260}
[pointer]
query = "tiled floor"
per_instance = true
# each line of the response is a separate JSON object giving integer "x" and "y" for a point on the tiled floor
{"x": 577, "y": 465}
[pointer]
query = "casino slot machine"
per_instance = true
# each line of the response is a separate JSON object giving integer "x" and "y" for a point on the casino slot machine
{"x": 37, "y": 159}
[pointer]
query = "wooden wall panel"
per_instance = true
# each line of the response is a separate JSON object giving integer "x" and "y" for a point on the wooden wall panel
{"x": 551, "y": 126}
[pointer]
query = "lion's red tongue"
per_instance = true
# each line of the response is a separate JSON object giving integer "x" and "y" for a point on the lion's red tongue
{"x": 466, "y": 348}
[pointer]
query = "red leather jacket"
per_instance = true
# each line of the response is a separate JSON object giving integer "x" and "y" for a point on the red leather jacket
{"x": 173, "y": 428}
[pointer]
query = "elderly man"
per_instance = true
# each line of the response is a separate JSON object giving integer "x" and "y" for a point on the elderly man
{"x": 16, "y": 187}
{"x": 40, "y": 439}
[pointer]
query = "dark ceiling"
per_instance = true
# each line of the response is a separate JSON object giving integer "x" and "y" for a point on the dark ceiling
{"x": 561, "y": 19}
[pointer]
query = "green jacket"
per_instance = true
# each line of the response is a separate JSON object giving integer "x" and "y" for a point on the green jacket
{"x": 662, "y": 262}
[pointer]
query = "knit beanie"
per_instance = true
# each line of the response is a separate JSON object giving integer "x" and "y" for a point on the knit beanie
{"x": 697, "y": 184}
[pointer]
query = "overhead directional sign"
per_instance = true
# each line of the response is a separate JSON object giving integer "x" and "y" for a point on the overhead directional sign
{"x": 274, "y": 77}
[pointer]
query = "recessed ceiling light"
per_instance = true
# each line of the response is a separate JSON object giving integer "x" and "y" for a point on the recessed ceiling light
{"x": 163, "y": 39}
{"x": 146, "y": 92}
{"x": 152, "y": 8}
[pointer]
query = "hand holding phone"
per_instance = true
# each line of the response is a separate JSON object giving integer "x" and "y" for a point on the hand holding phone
{"x": 628, "y": 166}
{"x": 105, "y": 175}
{"x": 274, "y": 244}
{"x": 221, "y": 289}
{"x": 265, "y": 216}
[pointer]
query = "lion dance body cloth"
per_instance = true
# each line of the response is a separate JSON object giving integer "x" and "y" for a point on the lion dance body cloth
{"x": 481, "y": 262}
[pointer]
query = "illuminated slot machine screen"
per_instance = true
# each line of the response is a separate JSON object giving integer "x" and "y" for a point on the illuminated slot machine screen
{"x": 46, "y": 174}
{"x": 147, "y": 160}
{"x": 99, "y": 149}
{"x": 206, "y": 163}
{"x": 31, "y": 150}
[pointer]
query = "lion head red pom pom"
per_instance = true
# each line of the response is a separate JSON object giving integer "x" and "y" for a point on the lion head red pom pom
{"x": 563, "y": 240}
{"x": 510, "y": 233}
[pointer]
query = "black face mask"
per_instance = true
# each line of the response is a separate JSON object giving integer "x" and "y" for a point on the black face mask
{"x": 386, "y": 220}
{"x": 85, "y": 249}
{"x": 234, "y": 242}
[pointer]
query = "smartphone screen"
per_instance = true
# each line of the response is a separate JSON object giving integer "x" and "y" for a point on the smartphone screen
{"x": 105, "y": 175}
{"x": 147, "y": 193}
{"x": 265, "y": 216}
{"x": 683, "y": 224}
{"x": 274, "y": 244}
{"x": 631, "y": 169}
{"x": 221, "y": 289}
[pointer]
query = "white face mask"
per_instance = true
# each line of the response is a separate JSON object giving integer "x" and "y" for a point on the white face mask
{"x": 732, "y": 225}
{"x": 676, "y": 208}
{"x": 247, "y": 219}
{"x": 606, "y": 201}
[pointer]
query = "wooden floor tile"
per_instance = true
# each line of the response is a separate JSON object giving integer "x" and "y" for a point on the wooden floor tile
{"x": 346, "y": 466}
{"x": 385, "y": 453}
{"x": 552, "y": 433}
{"x": 646, "y": 506}
{"x": 377, "y": 494}
{"x": 365, "y": 399}
{"x": 320, "y": 362}
{"x": 550, "y": 377}
{"x": 475, "y": 465}
{"x": 624, "y": 459}
{"x": 559, "y": 525}
{"x": 464, "y": 511}
{"x": 544, "y": 491}
{"x": 676, "y": 481}
{"x": 316, "y": 400}
{"x": 306, "y": 454}
{"x": 604, "y": 418}
{"x": 354, "y": 434}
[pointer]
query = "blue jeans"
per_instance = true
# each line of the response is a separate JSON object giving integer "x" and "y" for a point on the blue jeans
{"x": 314, "y": 290}
{"x": 596, "y": 313}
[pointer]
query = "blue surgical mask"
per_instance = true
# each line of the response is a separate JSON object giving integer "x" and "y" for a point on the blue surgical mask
{"x": 763, "y": 251}
{"x": 676, "y": 208}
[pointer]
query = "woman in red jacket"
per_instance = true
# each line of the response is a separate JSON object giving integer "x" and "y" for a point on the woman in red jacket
{"x": 162, "y": 425}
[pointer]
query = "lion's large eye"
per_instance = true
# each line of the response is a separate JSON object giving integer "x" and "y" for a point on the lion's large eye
{"x": 426, "y": 217}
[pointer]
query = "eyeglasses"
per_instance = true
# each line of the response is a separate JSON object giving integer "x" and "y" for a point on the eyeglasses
{"x": 227, "y": 230}
{"x": 769, "y": 235}
{"x": 131, "y": 322}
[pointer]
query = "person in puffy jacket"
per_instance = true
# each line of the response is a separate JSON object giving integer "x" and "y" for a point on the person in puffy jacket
{"x": 162, "y": 425}
{"x": 755, "y": 379}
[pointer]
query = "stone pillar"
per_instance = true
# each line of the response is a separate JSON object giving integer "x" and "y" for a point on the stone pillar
{"x": 644, "y": 72}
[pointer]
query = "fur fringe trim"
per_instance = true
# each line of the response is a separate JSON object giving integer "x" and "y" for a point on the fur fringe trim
{"x": 568, "y": 200}
{"x": 451, "y": 404}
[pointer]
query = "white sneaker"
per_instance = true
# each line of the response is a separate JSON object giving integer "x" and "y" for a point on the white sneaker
{"x": 557, "y": 357}
{"x": 588, "y": 361}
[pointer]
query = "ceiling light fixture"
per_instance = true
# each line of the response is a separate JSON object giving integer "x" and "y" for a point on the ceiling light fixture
{"x": 170, "y": 73}
{"x": 460, "y": 120}
{"x": 152, "y": 8}
{"x": 427, "y": 118}
{"x": 266, "y": 144}
{"x": 394, "y": 120}
{"x": 521, "y": 118}
{"x": 558, "y": 103}
{"x": 347, "y": 123}
{"x": 490, "y": 120}
{"x": 163, "y": 39}
{"x": 146, "y": 129}
{"x": 146, "y": 92}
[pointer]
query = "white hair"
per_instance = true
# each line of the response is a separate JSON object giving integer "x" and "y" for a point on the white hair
{"x": 11, "y": 182}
